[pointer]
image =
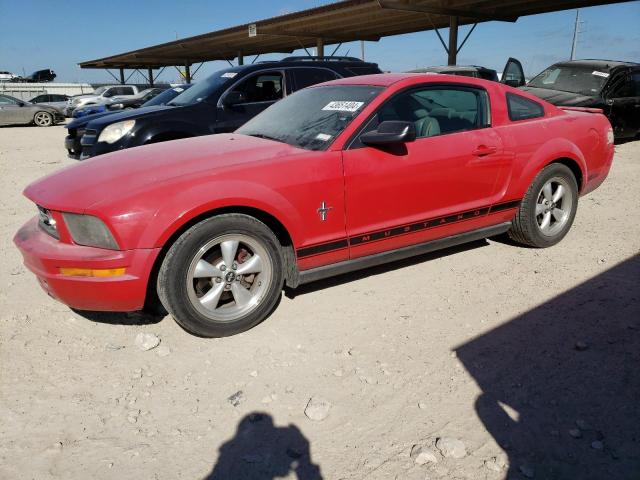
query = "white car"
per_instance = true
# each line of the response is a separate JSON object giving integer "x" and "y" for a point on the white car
{"x": 99, "y": 96}
{"x": 7, "y": 76}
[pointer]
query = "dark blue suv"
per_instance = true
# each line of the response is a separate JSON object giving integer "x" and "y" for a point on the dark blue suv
{"x": 220, "y": 103}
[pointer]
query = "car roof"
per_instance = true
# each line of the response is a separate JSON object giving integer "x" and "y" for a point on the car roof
{"x": 388, "y": 79}
{"x": 295, "y": 62}
{"x": 451, "y": 68}
{"x": 600, "y": 64}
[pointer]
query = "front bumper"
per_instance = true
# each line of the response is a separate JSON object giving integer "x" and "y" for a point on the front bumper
{"x": 45, "y": 255}
{"x": 72, "y": 144}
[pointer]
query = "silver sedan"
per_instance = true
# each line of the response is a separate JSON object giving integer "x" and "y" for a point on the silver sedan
{"x": 14, "y": 111}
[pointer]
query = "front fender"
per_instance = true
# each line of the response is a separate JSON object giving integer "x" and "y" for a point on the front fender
{"x": 153, "y": 129}
{"x": 168, "y": 209}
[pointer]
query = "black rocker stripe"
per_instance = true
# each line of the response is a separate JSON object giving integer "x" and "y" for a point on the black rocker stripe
{"x": 322, "y": 248}
{"x": 402, "y": 230}
{"x": 505, "y": 206}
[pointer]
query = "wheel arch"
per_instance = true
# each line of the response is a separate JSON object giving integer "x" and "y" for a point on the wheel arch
{"x": 276, "y": 226}
{"x": 558, "y": 150}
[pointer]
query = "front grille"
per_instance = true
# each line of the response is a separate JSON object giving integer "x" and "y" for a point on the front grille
{"x": 47, "y": 222}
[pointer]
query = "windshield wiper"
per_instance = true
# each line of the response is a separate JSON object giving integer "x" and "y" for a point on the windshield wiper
{"x": 266, "y": 137}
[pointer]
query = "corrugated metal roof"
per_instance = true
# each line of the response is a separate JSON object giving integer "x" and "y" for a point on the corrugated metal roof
{"x": 343, "y": 21}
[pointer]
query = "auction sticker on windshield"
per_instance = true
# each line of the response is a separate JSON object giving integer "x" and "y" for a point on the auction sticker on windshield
{"x": 229, "y": 74}
{"x": 600, "y": 74}
{"x": 343, "y": 106}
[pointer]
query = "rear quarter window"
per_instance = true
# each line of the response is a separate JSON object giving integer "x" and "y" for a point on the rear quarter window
{"x": 521, "y": 108}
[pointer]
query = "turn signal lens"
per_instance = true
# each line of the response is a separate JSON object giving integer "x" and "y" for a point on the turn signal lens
{"x": 92, "y": 272}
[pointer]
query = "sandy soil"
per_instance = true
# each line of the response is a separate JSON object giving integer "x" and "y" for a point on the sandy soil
{"x": 529, "y": 357}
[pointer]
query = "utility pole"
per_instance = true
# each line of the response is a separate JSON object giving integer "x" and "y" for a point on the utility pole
{"x": 576, "y": 31}
{"x": 362, "y": 49}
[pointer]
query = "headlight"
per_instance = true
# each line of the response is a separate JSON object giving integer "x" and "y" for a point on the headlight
{"x": 89, "y": 231}
{"x": 116, "y": 131}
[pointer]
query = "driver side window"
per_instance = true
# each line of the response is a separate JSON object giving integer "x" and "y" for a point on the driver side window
{"x": 435, "y": 110}
{"x": 264, "y": 87}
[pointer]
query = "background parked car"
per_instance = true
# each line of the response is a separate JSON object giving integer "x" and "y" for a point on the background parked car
{"x": 76, "y": 127}
{"x": 53, "y": 100}
{"x": 220, "y": 103}
{"x": 7, "y": 76}
{"x": 512, "y": 75}
{"x": 100, "y": 95}
{"x": 119, "y": 103}
{"x": 15, "y": 112}
{"x": 610, "y": 85}
{"x": 39, "y": 76}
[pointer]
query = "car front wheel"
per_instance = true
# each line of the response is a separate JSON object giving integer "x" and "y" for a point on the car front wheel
{"x": 548, "y": 208}
{"x": 222, "y": 276}
{"x": 43, "y": 119}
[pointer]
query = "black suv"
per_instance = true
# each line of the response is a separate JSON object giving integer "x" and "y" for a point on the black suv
{"x": 610, "y": 85}
{"x": 218, "y": 104}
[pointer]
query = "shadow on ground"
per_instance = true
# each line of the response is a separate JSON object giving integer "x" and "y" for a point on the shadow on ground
{"x": 570, "y": 369}
{"x": 121, "y": 318}
{"x": 261, "y": 451}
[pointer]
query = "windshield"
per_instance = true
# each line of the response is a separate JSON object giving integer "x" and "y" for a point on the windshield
{"x": 311, "y": 118}
{"x": 204, "y": 88}
{"x": 581, "y": 80}
{"x": 166, "y": 96}
{"x": 99, "y": 90}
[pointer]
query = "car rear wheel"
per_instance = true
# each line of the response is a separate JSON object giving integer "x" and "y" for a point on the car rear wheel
{"x": 43, "y": 119}
{"x": 548, "y": 208}
{"x": 222, "y": 276}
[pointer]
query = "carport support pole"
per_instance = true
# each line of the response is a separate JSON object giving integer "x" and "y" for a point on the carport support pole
{"x": 240, "y": 58}
{"x": 320, "y": 48}
{"x": 187, "y": 73}
{"x": 150, "y": 74}
{"x": 121, "y": 76}
{"x": 453, "y": 40}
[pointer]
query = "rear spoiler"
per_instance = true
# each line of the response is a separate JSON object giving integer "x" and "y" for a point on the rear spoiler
{"x": 582, "y": 109}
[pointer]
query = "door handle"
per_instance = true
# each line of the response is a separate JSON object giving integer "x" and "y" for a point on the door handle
{"x": 484, "y": 150}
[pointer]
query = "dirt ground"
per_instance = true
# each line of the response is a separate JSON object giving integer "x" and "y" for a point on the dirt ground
{"x": 529, "y": 357}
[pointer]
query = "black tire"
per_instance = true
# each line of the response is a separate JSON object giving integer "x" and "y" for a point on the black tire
{"x": 43, "y": 119}
{"x": 176, "y": 288}
{"x": 525, "y": 228}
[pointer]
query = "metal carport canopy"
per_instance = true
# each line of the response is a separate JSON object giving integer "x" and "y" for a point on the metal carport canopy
{"x": 337, "y": 22}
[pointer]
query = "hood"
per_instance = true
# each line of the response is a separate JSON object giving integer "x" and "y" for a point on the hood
{"x": 118, "y": 116}
{"x": 560, "y": 98}
{"x": 120, "y": 175}
{"x": 114, "y": 116}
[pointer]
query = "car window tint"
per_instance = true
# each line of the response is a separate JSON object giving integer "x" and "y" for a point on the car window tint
{"x": 58, "y": 98}
{"x": 521, "y": 108}
{"x": 6, "y": 100}
{"x": 305, "y": 77}
{"x": 436, "y": 111}
{"x": 635, "y": 82}
{"x": 264, "y": 87}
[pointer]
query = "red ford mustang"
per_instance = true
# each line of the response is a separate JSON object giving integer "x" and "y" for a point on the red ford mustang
{"x": 334, "y": 178}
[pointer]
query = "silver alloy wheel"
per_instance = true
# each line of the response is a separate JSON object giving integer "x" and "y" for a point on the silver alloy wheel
{"x": 554, "y": 206}
{"x": 43, "y": 119}
{"x": 229, "y": 277}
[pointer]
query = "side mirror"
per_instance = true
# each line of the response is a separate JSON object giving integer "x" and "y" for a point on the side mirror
{"x": 21, "y": 104}
{"x": 390, "y": 132}
{"x": 233, "y": 98}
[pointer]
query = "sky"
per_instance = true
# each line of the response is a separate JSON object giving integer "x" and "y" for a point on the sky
{"x": 38, "y": 34}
